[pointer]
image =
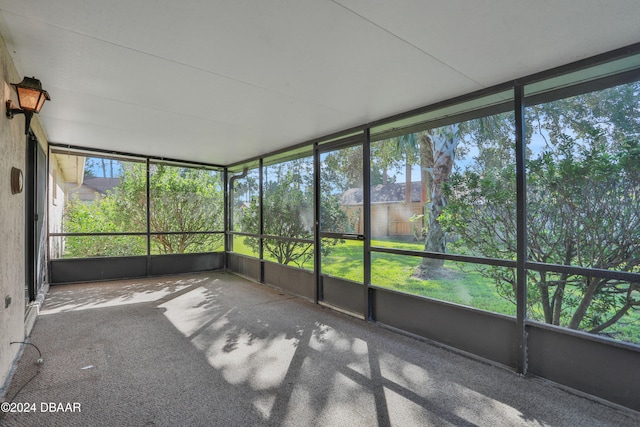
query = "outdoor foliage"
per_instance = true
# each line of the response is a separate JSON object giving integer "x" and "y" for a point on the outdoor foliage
{"x": 288, "y": 212}
{"x": 100, "y": 216}
{"x": 583, "y": 204}
{"x": 185, "y": 200}
{"x": 182, "y": 200}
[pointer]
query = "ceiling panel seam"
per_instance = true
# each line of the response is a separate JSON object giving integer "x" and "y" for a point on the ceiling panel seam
{"x": 435, "y": 58}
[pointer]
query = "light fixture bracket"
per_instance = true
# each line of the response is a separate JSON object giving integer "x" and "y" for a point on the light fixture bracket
{"x": 12, "y": 110}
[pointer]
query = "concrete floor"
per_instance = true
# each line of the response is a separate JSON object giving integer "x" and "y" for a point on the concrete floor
{"x": 212, "y": 349}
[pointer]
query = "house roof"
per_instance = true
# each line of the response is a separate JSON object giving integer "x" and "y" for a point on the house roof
{"x": 382, "y": 193}
{"x": 101, "y": 185}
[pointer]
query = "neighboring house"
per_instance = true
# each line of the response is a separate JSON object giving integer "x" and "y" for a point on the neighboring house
{"x": 383, "y": 193}
{"x": 390, "y": 214}
{"x": 92, "y": 188}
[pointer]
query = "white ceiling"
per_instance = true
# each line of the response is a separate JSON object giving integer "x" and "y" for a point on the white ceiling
{"x": 221, "y": 81}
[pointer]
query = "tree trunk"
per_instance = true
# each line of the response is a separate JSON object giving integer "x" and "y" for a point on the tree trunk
{"x": 426, "y": 163}
{"x": 619, "y": 315}
{"x": 543, "y": 288}
{"x": 587, "y": 298}
{"x": 407, "y": 188}
{"x": 557, "y": 300}
{"x": 443, "y": 143}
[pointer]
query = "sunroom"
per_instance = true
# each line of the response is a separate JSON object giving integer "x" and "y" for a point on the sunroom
{"x": 479, "y": 193}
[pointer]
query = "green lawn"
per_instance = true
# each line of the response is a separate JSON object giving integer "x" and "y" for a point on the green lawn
{"x": 396, "y": 272}
{"x": 457, "y": 282}
{"x": 452, "y": 284}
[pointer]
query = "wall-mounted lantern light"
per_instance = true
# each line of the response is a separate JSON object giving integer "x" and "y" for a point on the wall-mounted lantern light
{"x": 31, "y": 98}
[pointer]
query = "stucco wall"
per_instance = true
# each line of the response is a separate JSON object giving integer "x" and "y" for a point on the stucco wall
{"x": 12, "y": 220}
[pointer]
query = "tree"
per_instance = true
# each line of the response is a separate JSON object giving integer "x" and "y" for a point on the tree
{"x": 99, "y": 216}
{"x": 583, "y": 204}
{"x": 407, "y": 146}
{"x": 185, "y": 200}
{"x": 182, "y": 200}
{"x": 440, "y": 147}
{"x": 586, "y": 212}
{"x": 385, "y": 158}
{"x": 436, "y": 150}
{"x": 288, "y": 212}
{"x": 101, "y": 167}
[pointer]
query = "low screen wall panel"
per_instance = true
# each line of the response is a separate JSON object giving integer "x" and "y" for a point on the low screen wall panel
{"x": 244, "y": 266}
{"x": 96, "y": 269}
{"x": 343, "y": 294}
{"x": 294, "y": 280}
{"x": 485, "y": 334}
{"x": 593, "y": 365}
{"x": 186, "y": 263}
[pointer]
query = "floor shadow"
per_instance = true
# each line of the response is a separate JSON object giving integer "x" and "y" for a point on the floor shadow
{"x": 214, "y": 349}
